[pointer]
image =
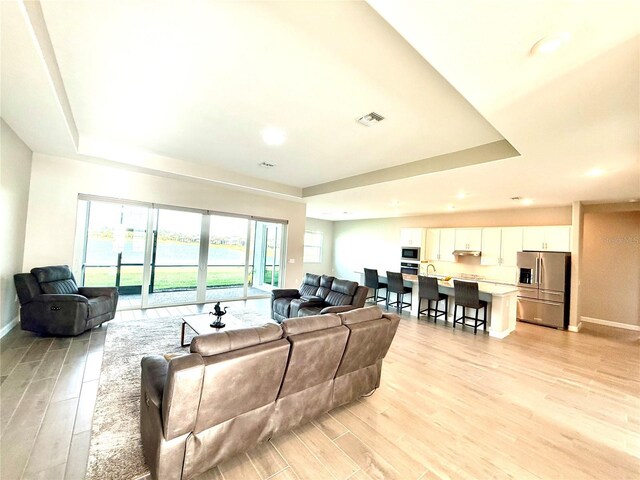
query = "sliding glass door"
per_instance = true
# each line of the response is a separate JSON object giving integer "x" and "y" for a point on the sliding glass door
{"x": 159, "y": 255}
{"x": 176, "y": 257}
{"x": 266, "y": 256}
{"x": 227, "y": 272}
{"x": 114, "y": 248}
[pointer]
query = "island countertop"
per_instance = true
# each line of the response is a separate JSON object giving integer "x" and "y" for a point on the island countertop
{"x": 483, "y": 287}
{"x": 501, "y": 300}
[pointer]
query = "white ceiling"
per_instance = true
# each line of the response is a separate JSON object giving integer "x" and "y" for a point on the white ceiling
{"x": 184, "y": 88}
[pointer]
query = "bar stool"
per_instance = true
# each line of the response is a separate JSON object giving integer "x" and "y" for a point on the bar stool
{"x": 372, "y": 280}
{"x": 466, "y": 295}
{"x": 396, "y": 285}
{"x": 428, "y": 290}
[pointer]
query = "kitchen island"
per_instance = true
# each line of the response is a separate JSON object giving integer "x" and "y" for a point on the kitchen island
{"x": 501, "y": 299}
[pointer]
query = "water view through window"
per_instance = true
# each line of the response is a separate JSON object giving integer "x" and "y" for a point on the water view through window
{"x": 162, "y": 256}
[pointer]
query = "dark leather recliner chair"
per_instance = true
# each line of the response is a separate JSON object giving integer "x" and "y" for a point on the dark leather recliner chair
{"x": 52, "y": 304}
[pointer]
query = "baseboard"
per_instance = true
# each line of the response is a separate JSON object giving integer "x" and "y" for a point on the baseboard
{"x": 501, "y": 335}
{"x": 7, "y": 328}
{"x": 575, "y": 328}
{"x": 609, "y": 323}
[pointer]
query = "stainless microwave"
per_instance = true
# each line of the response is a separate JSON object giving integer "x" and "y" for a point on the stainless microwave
{"x": 411, "y": 254}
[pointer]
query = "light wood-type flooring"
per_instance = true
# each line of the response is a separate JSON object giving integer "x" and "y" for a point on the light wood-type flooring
{"x": 540, "y": 404}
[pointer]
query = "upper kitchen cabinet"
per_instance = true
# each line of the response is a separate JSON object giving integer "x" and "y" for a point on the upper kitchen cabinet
{"x": 412, "y": 237}
{"x": 553, "y": 239}
{"x": 511, "y": 244}
{"x": 501, "y": 245}
{"x": 468, "y": 239}
{"x": 491, "y": 246}
{"x": 432, "y": 248}
{"x": 447, "y": 244}
{"x": 440, "y": 244}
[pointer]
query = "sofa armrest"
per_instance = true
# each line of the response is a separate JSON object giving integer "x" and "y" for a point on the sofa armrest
{"x": 92, "y": 292}
{"x": 299, "y": 303}
{"x": 285, "y": 292}
{"x": 337, "y": 309}
{"x": 154, "y": 376}
{"x": 56, "y": 297}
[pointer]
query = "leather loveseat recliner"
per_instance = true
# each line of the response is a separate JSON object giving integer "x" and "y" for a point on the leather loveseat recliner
{"x": 318, "y": 294}
{"x": 240, "y": 387}
{"x": 52, "y": 304}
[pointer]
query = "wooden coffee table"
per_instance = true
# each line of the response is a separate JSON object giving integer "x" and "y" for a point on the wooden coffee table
{"x": 200, "y": 324}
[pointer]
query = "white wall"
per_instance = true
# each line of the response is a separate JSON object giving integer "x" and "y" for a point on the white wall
{"x": 376, "y": 243}
{"x": 326, "y": 228}
{"x": 15, "y": 172}
{"x": 56, "y": 183}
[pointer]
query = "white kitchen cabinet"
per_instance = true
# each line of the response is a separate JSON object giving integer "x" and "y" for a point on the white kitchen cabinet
{"x": 491, "y": 246}
{"x": 558, "y": 239}
{"x": 468, "y": 238}
{"x": 412, "y": 237}
{"x": 447, "y": 244}
{"x": 432, "y": 247}
{"x": 511, "y": 244}
{"x": 554, "y": 239}
{"x": 500, "y": 246}
{"x": 439, "y": 245}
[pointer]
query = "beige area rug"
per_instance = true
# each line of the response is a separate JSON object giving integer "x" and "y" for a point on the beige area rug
{"x": 116, "y": 448}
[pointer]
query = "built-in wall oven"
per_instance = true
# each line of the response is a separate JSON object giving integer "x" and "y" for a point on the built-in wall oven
{"x": 410, "y": 254}
{"x": 410, "y": 268}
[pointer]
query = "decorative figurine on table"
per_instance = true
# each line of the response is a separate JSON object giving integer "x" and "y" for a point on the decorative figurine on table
{"x": 218, "y": 313}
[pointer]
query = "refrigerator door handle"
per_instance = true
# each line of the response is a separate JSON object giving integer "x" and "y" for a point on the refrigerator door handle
{"x": 538, "y": 266}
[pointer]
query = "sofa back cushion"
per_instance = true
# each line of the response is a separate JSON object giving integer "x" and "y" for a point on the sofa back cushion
{"x": 341, "y": 292}
{"x": 239, "y": 381}
{"x": 370, "y": 337}
{"x": 361, "y": 315}
{"x": 317, "y": 345}
{"x": 310, "y": 284}
{"x": 325, "y": 286}
{"x": 226, "y": 341}
{"x": 55, "y": 280}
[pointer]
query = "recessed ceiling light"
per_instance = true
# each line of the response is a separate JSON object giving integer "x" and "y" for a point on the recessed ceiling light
{"x": 550, "y": 43}
{"x": 527, "y": 201}
{"x": 273, "y": 136}
{"x": 461, "y": 196}
{"x": 595, "y": 172}
{"x": 266, "y": 165}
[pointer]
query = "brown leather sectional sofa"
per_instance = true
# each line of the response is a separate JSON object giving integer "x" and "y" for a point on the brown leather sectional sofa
{"x": 240, "y": 387}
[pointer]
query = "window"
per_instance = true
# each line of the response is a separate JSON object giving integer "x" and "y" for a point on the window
{"x": 163, "y": 255}
{"x": 312, "y": 247}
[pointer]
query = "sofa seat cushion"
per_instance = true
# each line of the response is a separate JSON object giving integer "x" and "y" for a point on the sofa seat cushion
{"x": 99, "y": 306}
{"x": 308, "y": 311}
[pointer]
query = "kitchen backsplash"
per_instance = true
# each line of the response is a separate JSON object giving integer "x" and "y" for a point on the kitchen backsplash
{"x": 472, "y": 267}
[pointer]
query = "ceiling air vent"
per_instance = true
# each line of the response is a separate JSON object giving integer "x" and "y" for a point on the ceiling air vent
{"x": 370, "y": 119}
{"x": 266, "y": 165}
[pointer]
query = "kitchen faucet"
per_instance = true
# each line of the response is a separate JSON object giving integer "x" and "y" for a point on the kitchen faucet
{"x": 430, "y": 265}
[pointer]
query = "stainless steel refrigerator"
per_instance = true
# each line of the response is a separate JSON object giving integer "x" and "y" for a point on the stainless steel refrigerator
{"x": 544, "y": 283}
